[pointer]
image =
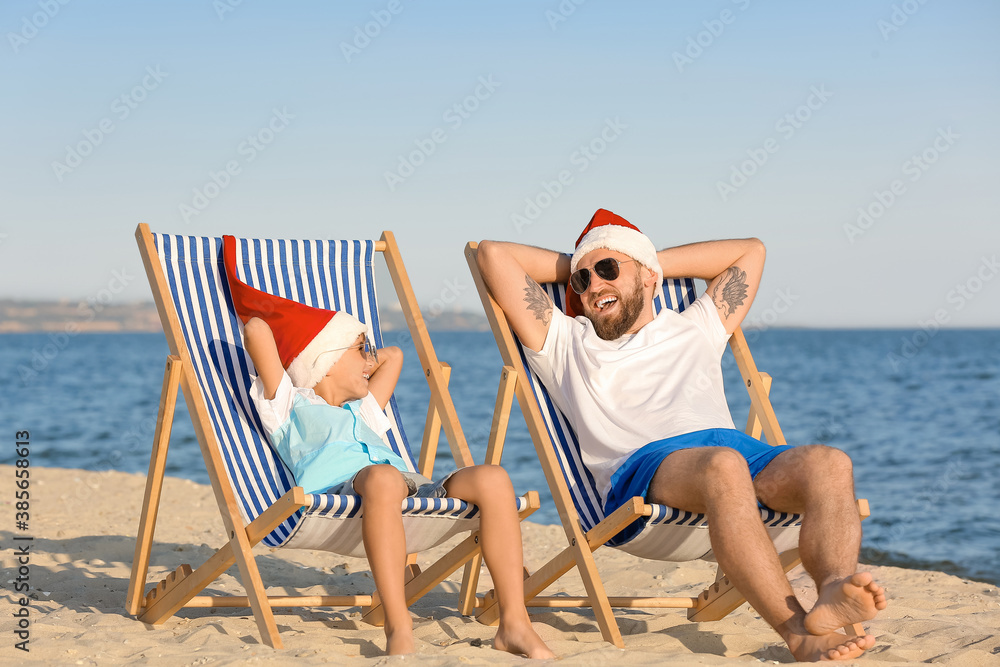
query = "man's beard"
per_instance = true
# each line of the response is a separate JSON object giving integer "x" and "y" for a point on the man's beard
{"x": 630, "y": 305}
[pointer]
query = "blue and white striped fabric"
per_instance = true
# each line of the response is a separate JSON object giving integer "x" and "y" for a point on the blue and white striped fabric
{"x": 335, "y": 275}
{"x": 669, "y": 534}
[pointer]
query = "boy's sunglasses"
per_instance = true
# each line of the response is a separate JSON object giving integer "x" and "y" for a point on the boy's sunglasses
{"x": 367, "y": 349}
{"x": 606, "y": 269}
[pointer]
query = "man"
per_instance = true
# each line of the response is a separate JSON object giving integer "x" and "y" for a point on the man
{"x": 645, "y": 396}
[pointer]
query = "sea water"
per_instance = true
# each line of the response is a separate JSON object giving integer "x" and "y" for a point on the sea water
{"x": 918, "y": 414}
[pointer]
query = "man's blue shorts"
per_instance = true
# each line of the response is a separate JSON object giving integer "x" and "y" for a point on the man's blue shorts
{"x": 633, "y": 477}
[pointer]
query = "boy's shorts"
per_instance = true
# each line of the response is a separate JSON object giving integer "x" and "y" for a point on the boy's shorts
{"x": 635, "y": 475}
{"x": 418, "y": 486}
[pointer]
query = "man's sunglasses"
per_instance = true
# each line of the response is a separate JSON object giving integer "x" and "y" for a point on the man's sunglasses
{"x": 367, "y": 349}
{"x": 606, "y": 269}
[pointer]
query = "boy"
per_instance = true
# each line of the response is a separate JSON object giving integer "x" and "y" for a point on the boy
{"x": 320, "y": 392}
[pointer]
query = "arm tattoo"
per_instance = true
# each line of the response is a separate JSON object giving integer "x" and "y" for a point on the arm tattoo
{"x": 731, "y": 291}
{"x": 538, "y": 301}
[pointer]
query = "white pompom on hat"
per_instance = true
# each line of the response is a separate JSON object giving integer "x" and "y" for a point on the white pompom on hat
{"x": 613, "y": 232}
{"x": 309, "y": 340}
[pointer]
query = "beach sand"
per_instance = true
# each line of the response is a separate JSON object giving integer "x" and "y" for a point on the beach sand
{"x": 83, "y": 526}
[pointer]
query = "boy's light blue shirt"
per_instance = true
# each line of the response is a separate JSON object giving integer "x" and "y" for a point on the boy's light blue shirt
{"x": 323, "y": 445}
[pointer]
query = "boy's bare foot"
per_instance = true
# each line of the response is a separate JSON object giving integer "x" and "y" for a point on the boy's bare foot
{"x": 399, "y": 638}
{"x": 521, "y": 639}
{"x": 833, "y": 646}
{"x": 845, "y": 601}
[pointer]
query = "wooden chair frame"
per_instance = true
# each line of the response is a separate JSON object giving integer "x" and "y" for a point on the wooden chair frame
{"x": 181, "y": 587}
{"x": 714, "y": 602}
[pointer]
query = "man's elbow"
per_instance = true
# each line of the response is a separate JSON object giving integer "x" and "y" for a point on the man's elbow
{"x": 486, "y": 253}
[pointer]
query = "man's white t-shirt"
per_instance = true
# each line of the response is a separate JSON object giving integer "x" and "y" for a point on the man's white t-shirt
{"x": 620, "y": 395}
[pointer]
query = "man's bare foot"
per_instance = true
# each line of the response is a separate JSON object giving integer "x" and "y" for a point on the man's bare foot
{"x": 834, "y": 646}
{"x": 845, "y": 601}
{"x": 521, "y": 639}
{"x": 399, "y": 638}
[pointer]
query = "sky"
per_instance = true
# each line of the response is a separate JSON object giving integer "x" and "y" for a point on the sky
{"x": 858, "y": 140}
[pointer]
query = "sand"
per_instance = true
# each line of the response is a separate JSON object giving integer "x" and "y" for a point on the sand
{"x": 83, "y": 526}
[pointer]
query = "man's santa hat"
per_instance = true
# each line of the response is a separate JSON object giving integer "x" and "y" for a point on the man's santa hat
{"x": 612, "y": 232}
{"x": 309, "y": 340}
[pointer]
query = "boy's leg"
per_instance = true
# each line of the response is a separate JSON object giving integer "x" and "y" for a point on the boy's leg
{"x": 382, "y": 490}
{"x": 489, "y": 487}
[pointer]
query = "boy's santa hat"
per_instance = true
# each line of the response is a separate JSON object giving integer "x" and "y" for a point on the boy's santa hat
{"x": 309, "y": 340}
{"x": 612, "y": 232}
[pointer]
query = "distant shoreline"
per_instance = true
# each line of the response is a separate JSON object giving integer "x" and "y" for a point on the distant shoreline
{"x": 73, "y": 317}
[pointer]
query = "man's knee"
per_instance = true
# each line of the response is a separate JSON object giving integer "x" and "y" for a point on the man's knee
{"x": 725, "y": 462}
{"x": 827, "y": 461}
{"x": 696, "y": 479}
{"x": 725, "y": 470}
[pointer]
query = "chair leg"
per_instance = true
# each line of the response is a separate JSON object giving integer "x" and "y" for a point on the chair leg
{"x": 494, "y": 454}
{"x": 241, "y": 538}
{"x": 432, "y": 433}
{"x": 183, "y": 584}
{"x": 178, "y": 590}
{"x": 154, "y": 485}
{"x": 716, "y": 601}
{"x": 470, "y": 583}
{"x": 599, "y": 597}
{"x": 168, "y": 583}
{"x": 254, "y": 586}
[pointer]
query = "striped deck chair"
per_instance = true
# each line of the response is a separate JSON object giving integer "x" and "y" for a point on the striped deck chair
{"x": 257, "y": 496}
{"x": 646, "y": 530}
